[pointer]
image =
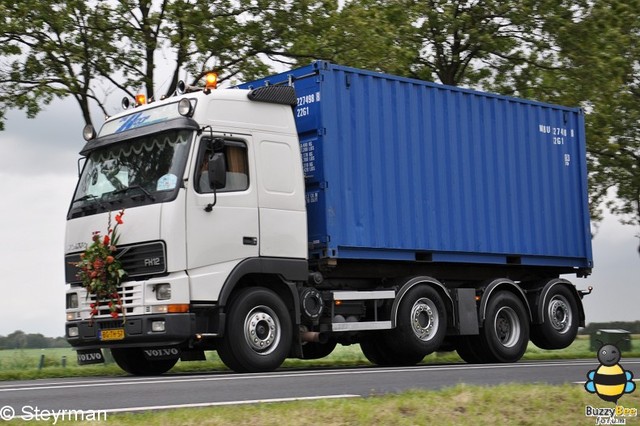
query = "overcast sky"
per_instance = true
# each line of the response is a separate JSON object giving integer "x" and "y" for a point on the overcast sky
{"x": 38, "y": 170}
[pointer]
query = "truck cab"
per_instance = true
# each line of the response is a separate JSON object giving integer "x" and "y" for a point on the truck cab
{"x": 206, "y": 181}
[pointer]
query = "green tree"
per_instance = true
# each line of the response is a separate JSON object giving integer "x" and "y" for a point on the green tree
{"x": 596, "y": 65}
{"x": 16, "y": 340}
{"x": 572, "y": 52}
{"x": 451, "y": 41}
{"x": 36, "y": 341}
{"x": 366, "y": 33}
{"x": 51, "y": 50}
{"x": 77, "y": 48}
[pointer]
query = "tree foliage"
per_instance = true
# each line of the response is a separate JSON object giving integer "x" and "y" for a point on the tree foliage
{"x": 86, "y": 49}
{"x": 21, "y": 340}
{"x": 573, "y": 52}
{"x": 595, "y": 65}
{"x": 48, "y": 50}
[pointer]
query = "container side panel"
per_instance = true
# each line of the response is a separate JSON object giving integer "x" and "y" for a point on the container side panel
{"x": 403, "y": 167}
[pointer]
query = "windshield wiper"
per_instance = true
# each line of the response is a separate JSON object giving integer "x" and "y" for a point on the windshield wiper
{"x": 125, "y": 190}
{"x": 91, "y": 197}
{"x": 85, "y": 198}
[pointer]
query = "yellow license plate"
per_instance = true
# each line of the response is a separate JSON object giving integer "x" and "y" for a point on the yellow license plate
{"x": 112, "y": 334}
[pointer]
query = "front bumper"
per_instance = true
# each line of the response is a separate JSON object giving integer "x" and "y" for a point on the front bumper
{"x": 178, "y": 330}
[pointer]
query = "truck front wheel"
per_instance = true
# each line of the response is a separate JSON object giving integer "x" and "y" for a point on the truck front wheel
{"x": 422, "y": 322}
{"x": 133, "y": 361}
{"x": 258, "y": 332}
{"x": 560, "y": 320}
{"x": 314, "y": 350}
{"x": 379, "y": 350}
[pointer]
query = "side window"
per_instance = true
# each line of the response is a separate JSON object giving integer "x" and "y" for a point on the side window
{"x": 237, "y": 172}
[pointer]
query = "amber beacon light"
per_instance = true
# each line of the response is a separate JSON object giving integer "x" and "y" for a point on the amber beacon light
{"x": 211, "y": 80}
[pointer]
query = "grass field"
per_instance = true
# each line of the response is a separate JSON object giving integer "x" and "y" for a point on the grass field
{"x": 24, "y": 364}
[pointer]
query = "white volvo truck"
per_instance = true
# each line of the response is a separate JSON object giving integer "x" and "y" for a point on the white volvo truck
{"x": 329, "y": 205}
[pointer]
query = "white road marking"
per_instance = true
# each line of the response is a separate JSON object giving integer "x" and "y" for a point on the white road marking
{"x": 214, "y": 404}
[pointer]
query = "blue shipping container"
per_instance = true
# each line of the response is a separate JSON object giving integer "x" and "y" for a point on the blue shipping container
{"x": 402, "y": 169}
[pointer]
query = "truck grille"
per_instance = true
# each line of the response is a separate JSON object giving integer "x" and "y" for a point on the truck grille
{"x": 138, "y": 260}
{"x": 130, "y": 295}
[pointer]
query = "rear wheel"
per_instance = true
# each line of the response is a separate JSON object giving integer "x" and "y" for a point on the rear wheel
{"x": 258, "y": 332}
{"x": 505, "y": 334}
{"x": 133, "y": 361}
{"x": 469, "y": 349}
{"x": 560, "y": 320}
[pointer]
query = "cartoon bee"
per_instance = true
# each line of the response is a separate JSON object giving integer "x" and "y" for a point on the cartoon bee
{"x": 609, "y": 381}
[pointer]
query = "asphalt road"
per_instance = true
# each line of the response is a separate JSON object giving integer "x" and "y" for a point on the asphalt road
{"x": 198, "y": 390}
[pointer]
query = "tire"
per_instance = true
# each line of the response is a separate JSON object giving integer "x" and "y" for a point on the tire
{"x": 470, "y": 350}
{"x": 379, "y": 352}
{"x": 560, "y": 320}
{"x": 314, "y": 350}
{"x": 505, "y": 334}
{"x": 374, "y": 352}
{"x": 133, "y": 361}
{"x": 258, "y": 332}
{"x": 421, "y": 322}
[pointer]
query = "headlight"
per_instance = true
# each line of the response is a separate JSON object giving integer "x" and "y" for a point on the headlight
{"x": 163, "y": 291}
{"x": 185, "y": 108}
{"x": 72, "y": 300}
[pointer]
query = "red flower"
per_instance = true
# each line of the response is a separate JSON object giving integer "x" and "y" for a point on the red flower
{"x": 101, "y": 272}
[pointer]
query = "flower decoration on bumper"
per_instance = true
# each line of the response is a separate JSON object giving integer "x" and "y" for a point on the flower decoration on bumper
{"x": 100, "y": 272}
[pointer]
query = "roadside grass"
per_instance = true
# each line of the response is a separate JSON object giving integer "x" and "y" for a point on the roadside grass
{"x": 24, "y": 364}
{"x": 514, "y": 404}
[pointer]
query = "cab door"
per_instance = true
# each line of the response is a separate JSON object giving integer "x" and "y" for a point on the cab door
{"x": 222, "y": 223}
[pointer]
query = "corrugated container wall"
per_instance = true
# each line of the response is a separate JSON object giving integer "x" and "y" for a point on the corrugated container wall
{"x": 402, "y": 169}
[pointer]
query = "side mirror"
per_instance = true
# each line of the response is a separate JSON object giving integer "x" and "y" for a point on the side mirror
{"x": 214, "y": 145}
{"x": 217, "y": 171}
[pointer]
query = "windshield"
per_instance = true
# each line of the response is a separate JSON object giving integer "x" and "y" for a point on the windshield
{"x": 139, "y": 171}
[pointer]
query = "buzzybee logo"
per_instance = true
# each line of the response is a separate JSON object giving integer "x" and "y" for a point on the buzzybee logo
{"x": 610, "y": 381}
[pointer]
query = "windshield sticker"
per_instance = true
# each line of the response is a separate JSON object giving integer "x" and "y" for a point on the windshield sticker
{"x": 167, "y": 182}
{"x": 140, "y": 119}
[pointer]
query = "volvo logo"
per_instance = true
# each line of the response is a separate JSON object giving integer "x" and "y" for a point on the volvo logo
{"x": 76, "y": 247}
{"x": 90, "y": 357}
{"x": 161, "y": 353}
